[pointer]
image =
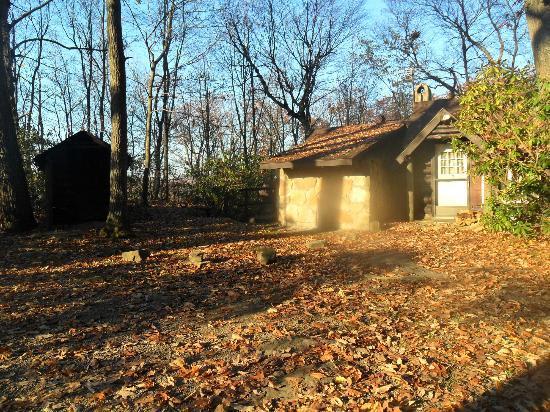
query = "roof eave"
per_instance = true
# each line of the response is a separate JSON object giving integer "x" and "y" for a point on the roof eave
{"x": 333, "y": 162}
{"x": 276, "y": 165}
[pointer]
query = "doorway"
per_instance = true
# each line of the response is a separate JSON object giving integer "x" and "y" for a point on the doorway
{"x": 451, "y": 182}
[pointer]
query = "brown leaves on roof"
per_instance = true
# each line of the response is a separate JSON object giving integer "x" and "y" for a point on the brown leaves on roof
{"x": 338, "y": 142}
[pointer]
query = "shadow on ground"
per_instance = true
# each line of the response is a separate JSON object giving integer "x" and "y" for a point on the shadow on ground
{"x": 527, "y": 392}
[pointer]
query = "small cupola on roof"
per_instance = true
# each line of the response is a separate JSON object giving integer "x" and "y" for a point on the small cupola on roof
{"x": 422, "y": 93}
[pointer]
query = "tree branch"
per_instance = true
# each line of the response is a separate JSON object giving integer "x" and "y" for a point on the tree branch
{"x": 22, "y": 42}
{"x": 28, "y": 13}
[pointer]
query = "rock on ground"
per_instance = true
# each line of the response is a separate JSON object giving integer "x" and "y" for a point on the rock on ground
{"x": 136, "y": 256}
{"x": 316, "y": 244}
{"x": 266, "y": 255}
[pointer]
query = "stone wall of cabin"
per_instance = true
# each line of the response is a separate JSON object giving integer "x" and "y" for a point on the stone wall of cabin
{"x": 359, "y": 197}
{"x": 299, "y": 201}
{"x": 355, "y": 203}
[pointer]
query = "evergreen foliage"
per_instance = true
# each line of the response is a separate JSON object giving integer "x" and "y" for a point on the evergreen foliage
{"x": 509, "y": 111}
{"x": 226, "y": 183}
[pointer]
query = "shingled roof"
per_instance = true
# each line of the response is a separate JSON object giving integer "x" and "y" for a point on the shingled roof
{"x": 335, "y": 146}
{"x": 81, "y": 140}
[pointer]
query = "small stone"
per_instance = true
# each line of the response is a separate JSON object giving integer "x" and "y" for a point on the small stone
{"x": 477, "y": 227}
{"x": 340, "y": 380}
{"x": 236, "y": 337}
{"x": 196, "y": 257}
{"x": 221, "y": 408}
{"x": 316, "y": 244}
{"x": 136, "y": 256}
{"x": 266, "y": 255}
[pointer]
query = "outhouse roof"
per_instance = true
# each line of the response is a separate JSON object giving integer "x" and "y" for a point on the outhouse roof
{"x": 82, "y": 140}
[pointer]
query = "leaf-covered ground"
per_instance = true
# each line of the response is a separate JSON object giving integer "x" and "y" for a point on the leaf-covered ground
{"x": 416, "y": 317}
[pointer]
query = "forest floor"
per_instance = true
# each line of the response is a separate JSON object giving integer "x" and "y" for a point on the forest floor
{"x": 415, "y": 317}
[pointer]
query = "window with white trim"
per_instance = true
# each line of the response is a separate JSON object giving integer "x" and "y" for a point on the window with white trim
{"x": 452, "y": 164}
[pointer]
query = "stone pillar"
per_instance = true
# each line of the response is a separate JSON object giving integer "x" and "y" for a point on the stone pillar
{"x": 410, "y": 189}
{"x": 281, "y": 198}
{"x": 355, "y": 204}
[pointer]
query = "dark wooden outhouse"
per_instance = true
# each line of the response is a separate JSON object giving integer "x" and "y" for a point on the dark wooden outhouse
{"x": 77, "y": 179}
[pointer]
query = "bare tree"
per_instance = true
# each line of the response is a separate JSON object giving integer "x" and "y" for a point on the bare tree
{"x": 81, "y": 34}
{"x": 42, "y": 30}
{"x": 477, "y": 32}
{"x": 116, "y": 219}
{"x": 244, "y": 97}
{"x": 15, "y": 203}
{"x": 349, "y": 102}
{"x": 164, "y": 121}
{"x": 165, "y": 20}
{"x": 169, "y": 103}
{"x": 291, "y": 45}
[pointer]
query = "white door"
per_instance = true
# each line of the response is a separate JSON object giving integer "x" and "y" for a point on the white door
{"x": 451, "y": 181}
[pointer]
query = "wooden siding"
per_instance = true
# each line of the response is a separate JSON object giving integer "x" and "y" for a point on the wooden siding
{"x": 443, "y": 131}
{"x": 423, "y": 180}
{"x": 475, "y": 193}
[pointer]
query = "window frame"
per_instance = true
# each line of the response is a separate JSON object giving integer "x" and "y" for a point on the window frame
{"x": 449, "y": 159}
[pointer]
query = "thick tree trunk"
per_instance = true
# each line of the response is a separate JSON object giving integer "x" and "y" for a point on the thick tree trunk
{"x": 537, "y": 13}
{"x": 307, "y": 126}
{"x": 116, "y": 220}
{"x": 15, "y": 203}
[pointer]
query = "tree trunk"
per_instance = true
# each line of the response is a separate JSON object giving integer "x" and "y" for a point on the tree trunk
{"x": 537, "y": 13}
{"x": 165, "y": 123}
{"x": 148, "y": 121}
{"x": 15, "y": 203}
{"x": 307, "y": 126}
{"x": 167, "y": 21}
{"x": 116, "y": 220}
{"x": 165, "y": 139}
{"x": 157, "y": 148}
{"x": 103, "y": 77}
